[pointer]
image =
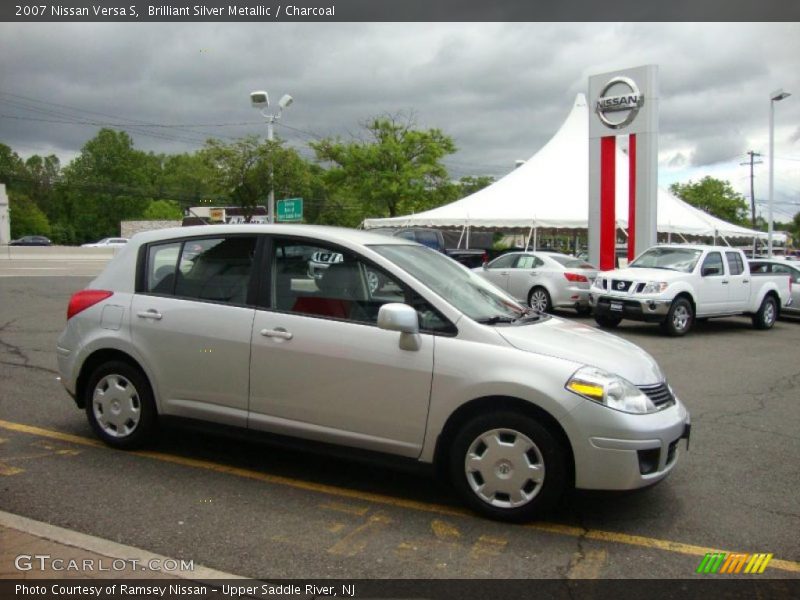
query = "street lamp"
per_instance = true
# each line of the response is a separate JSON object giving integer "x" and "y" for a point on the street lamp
{"x": 774, "y": 97}
{"x": 260, "y": 100}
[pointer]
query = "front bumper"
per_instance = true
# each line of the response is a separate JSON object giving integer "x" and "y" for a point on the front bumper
{"x": 625, "y": 307}
{"x": 620, "y": 451}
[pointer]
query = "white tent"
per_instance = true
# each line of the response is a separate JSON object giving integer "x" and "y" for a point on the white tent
{"x": 551, "y": 190}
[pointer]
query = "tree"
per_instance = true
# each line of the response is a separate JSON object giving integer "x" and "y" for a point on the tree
{"x": 162, "y": 210}
{"x": 107, "y": 183}
{"x": 241, "y": 172}
{"x": 716, "y": 197}
{"x": 396, "y": 170}
{"x": 25, "y": 217}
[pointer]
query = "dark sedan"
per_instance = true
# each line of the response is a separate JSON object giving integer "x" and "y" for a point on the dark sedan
{"x": 31, "y": 240}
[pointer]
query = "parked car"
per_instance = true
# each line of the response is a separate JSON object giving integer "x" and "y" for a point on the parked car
{"x": 117, "y": 242}
{"x": 434, "y": 238}
{"x": 553, "y": 404}
{"x": 781, "y": 267}
{"x": 674, "y": 284}
{"x": 542, "y": 280}
{"x": 31, "y": 240}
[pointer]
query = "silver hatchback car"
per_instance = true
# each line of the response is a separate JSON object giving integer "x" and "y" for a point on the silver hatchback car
{"x": 228, "y": 324}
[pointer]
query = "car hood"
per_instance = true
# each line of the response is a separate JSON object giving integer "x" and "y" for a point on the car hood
{"x": 637, "y": 274}
{"x": 587, "y": 345}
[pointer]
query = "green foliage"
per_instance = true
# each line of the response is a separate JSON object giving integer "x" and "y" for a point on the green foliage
{"x": 716, "y": 197}
{"x": 107, "y": 183}
{"x": 162, "y": 210}
{"x": 241, "y": 172}
{"x": 25, "y": 217}
{"x": 396, "y": 170}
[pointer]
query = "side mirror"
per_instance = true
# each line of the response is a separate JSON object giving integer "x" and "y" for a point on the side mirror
{"x": 711, "y": 271}
{"x": 401, "y": 317}
{"x": 485, "y": 266}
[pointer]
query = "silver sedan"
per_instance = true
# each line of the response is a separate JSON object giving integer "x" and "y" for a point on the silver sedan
{"x": 777, "y": 266}
{"x": 543, "y": 280}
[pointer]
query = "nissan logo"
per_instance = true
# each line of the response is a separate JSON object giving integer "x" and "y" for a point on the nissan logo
{"x": 628, "y": 103}
{"x": 621, "y": 285}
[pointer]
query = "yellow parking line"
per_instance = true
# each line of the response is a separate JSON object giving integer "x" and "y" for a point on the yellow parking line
{"x": 555, "y": 528}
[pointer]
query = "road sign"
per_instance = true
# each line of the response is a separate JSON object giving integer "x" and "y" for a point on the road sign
{"x": 290, "y": 209}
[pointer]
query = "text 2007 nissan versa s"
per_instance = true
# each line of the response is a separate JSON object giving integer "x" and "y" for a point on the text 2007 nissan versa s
{"x": 225, "y": 324}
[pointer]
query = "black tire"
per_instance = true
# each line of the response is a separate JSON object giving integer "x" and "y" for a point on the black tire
{"x": 607, "y": 321}
{"x": 767, "y": 313}
{"x": 539, "y": 299}
{"x": 530, "y": 498}
{"x": 680, "y": 318}
{"x": 133, "y": 398}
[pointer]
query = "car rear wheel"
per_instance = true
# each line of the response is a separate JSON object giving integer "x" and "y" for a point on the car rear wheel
{"x": 679, "y": 318}
{"x": 120, "y": 405}
{"x": 539, "y": 299}
{"x": 767, "y": 314}
{"x": 508, "y": 467}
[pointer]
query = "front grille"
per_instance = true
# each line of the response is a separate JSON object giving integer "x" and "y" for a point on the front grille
{"x": 619, "y": 285}
{"x": 660, "y": 394}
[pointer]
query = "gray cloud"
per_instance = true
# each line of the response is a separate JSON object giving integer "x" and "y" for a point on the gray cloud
{"x": 500, "y": 89}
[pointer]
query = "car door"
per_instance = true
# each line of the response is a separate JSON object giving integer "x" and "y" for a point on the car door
{"x": 712, "y": 292}
{"x": 528, "y": 270}
{"x": 738, "y": 282}
{"x": 192, "y": 324}
{"x": 499, "y": 269}
{"x": 320, "y": 366}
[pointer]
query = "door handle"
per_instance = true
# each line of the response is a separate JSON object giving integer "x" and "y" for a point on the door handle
{"x": 149, "y": 314}
{"x": 724, "y": 283}
{"x": 278, "y": 332}
{"x": 745, "y": 281}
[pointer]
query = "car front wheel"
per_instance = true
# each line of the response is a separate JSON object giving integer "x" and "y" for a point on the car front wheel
{"x": 508, "y": 467}
{"x": 120, "y": 405}
{"x": 679, "y": 318}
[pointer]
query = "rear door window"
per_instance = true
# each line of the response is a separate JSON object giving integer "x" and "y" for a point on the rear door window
{"x": 210, "y": 269}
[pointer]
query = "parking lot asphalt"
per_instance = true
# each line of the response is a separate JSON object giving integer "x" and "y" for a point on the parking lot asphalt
{"x": 253, "y": 509}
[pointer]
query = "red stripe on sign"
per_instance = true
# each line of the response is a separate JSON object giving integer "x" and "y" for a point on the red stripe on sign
{"x": 608, "y": 224}
{"x": 631, "y": 197}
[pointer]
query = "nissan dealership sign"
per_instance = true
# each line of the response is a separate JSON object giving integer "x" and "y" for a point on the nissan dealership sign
{"x": 619, "y": 102}
{"x": 623, "y": 127}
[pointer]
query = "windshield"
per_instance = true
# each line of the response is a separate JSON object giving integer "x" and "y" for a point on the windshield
{"x": 469, "y": 293}
{"x": 674, "y": 259}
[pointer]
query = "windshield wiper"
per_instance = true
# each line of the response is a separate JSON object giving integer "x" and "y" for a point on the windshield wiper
{"x": 529, "y": 316}
{"x": 496, "y": 319}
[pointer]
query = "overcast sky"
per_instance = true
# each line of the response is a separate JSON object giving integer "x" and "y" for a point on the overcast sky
{"x": 499, "y": 89}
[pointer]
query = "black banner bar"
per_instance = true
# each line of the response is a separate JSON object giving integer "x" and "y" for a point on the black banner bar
{"x": 399, "y": 10}
{"x": 717, "y": 587}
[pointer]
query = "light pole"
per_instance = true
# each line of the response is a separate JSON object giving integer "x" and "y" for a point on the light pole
{"x": 774, "y": 97}
{"x": 260, "y": 100}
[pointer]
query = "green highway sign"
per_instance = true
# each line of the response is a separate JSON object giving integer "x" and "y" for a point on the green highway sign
{"x": 290, "y": 209}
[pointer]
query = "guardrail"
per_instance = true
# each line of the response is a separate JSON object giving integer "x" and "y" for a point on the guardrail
{"x": 56, "y": 253}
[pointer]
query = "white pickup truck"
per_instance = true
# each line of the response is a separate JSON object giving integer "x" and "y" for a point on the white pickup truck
{"x": 676, "y": 284}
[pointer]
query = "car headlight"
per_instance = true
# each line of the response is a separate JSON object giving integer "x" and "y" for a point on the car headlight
{"x": 655, "y": 287}
{"x": 610, "y": 390}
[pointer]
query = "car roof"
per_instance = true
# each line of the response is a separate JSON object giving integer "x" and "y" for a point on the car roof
{"x": 321, "y": 232}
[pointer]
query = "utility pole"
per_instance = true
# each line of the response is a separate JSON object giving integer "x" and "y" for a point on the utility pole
{"x": 752, "y": 163}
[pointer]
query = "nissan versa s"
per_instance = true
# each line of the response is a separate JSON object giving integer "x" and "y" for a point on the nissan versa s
{"x": 225, "y": 324}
